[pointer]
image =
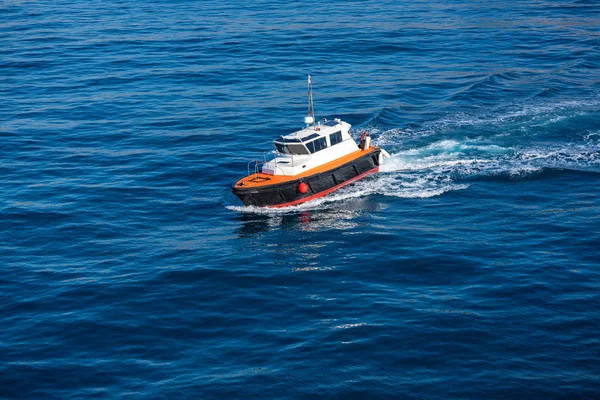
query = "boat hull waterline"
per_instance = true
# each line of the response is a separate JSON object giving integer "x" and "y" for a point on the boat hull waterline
{"x": 288, "y": 193}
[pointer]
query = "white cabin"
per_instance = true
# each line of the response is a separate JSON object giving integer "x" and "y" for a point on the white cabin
{"x": 310, "y": 147}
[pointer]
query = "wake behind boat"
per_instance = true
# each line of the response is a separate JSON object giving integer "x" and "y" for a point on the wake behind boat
{"x": 309, "y": 163}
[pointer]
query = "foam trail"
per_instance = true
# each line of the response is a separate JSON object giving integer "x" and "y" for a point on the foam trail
{"x": 442, "y": 167}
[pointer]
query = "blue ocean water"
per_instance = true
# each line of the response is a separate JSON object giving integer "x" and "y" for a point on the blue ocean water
{"x": 468, "y": 268}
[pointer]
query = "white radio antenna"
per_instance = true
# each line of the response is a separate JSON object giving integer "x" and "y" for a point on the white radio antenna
{"x": 310, "y": 118}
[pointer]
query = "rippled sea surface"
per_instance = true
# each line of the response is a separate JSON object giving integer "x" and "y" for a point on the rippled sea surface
{"x": 469, "y": 268}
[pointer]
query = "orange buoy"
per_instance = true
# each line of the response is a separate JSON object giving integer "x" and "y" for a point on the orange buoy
{"x": 303, "y": 187}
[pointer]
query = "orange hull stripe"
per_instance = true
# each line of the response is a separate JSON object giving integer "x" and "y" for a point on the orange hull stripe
{"x": 324, "y": 192}
{"x": 276, "y": 179}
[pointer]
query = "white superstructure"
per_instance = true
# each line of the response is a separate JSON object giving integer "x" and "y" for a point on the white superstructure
{"x": 310, "y": 147}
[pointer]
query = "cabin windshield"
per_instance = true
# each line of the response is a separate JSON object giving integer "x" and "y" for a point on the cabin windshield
{"x": 291, "y": 148}
{"x": 282, "y": 148}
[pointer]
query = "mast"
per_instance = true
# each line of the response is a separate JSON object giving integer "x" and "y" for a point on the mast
{"x": 310, "y": 118}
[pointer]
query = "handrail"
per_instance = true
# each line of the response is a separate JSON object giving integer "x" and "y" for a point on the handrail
{"x": 256, "y": 164}
{"x": 259, "y": 163}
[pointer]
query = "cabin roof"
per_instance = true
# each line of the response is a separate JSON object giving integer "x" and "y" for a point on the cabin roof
{"x": 320, "y": 129}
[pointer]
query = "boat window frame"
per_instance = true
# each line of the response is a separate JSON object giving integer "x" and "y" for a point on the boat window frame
{"x": 322, "y": 140}
{"x": 283, "y": 149}
{"x": 309, "y": 137}
{"x": 337, "y": 134}
{"x": 282, "y": 139}
{"x": 288, "y": 150}
{"x": 312, "y": 145}
{"x": 299, "y": 146}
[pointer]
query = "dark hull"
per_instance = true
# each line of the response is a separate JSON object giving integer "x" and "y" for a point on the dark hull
{"x": 319, "y": 184}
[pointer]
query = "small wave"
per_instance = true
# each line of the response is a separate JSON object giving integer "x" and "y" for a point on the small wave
{"x": 349, "y": 326}
{"x": 533, "y": 112}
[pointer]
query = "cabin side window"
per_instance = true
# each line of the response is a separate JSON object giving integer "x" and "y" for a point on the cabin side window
{"x": 317, "y": 145}
{"x": 320, "y": 144}
{"x": 335, "y": 138}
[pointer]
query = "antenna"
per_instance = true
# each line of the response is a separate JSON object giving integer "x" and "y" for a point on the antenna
{"x": 310, "y": 118}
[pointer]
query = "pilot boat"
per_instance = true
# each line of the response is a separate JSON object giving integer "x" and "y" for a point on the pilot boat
{"x": 309, "y": 163}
